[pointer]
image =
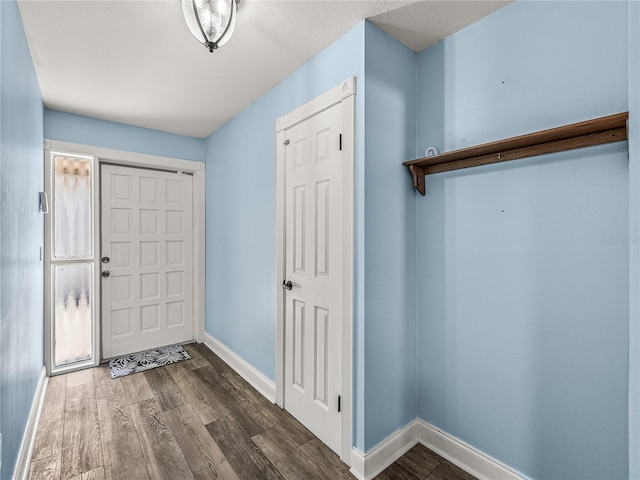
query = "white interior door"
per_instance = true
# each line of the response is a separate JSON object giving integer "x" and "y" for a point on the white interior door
{"x": 313, "y": 257}
{"x": 146, "y": 258}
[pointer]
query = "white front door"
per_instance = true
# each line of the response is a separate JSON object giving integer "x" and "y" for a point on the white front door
{"x": 313, "y": 258}
{"x": 146, "y": 259}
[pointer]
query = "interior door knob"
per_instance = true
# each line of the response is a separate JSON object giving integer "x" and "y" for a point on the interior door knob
{"x": 106, "y": 274}
{"x": 287, "y": 285}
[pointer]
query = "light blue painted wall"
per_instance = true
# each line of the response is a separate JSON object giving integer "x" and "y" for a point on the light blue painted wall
{"x": 518, "y": 381}
{"x": 390, "y": 242}
{"x": 240, "y": 212}
{"x": 21, "y": 233}
{"x": 523, "y": 267}
{"x": 69, "y": 127}
{"x": 634, "y": 236}
{"x": 1, "y": 230}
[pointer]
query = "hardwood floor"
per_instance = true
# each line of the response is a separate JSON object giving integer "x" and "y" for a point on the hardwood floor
{"x": 196, "y": 419}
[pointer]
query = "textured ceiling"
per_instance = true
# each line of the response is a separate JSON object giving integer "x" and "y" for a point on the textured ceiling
{"x": 135, "y": 61}
{"x": 421, "y": 24}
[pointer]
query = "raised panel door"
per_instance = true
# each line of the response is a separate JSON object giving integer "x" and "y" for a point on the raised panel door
{"x": 147, "y": 232}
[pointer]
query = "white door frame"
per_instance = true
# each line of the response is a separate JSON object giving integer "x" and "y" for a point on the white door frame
{"x": 344, "y": 94}
{"x": 132, "y": 159}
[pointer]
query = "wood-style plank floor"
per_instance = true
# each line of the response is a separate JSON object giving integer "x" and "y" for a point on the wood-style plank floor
{"x": 196, "y": 419}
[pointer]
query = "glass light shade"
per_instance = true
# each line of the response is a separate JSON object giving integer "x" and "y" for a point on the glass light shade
{"x": 212, "y": 22}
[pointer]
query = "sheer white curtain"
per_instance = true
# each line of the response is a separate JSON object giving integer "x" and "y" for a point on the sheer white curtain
{"x": 72, "y": 199}
{"x": 73, "y": 215}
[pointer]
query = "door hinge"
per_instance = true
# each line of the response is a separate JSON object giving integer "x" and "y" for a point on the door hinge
{"x": 287, "y": 141}
{"x": 340, "y": 141}
{"x": 339, "y": 406}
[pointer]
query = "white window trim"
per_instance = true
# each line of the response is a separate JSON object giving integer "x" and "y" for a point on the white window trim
{"x": 49, "y": 264}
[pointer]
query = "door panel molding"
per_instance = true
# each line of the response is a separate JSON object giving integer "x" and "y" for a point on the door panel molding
{"x": 343, "y": 93}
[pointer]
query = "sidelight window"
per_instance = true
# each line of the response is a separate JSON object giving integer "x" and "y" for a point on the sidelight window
{"x": 71, "y": 262}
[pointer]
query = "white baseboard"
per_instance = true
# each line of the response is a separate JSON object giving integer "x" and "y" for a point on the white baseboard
{"x": 367, "y": 466}
{"x": 21, "y": 470}
{"x": 255, "y": 378}
{"x": 357, "y": 463}
{"x": 463, "y": 455}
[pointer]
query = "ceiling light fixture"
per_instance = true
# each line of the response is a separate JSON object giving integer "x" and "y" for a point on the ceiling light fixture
{"x": 212, "y": 22}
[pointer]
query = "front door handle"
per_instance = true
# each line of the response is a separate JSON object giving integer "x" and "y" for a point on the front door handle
{"x": 106, "y": 274}
{"x": 287, "y": 285}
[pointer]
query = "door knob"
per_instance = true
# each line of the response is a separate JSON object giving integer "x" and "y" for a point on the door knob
{"x": 287, "y": 285}
{"x": 106, "y": 274}
{"x": 105, "y": 259}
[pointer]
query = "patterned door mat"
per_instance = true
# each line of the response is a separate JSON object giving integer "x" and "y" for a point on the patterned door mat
{"x": 139, "y": 362}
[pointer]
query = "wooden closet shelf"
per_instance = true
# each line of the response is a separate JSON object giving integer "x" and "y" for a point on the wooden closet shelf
{"x": 597, "y": 131}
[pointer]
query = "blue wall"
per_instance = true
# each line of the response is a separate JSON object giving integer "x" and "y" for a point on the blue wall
{"x": 634, "y": 240}
{"x": 69, "y": 127}
{"x": 21, "y": 233}
{"x": 237, "y": 243}
{"x": 390, "y": 242}
{"x": 523, "y": 267}
{"x": 521, "y": 301}
{"x": 241, "y": 210}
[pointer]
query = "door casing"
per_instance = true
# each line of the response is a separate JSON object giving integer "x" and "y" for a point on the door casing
{"x": 141, "y": 160}
{"x": 343, "y": 93}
